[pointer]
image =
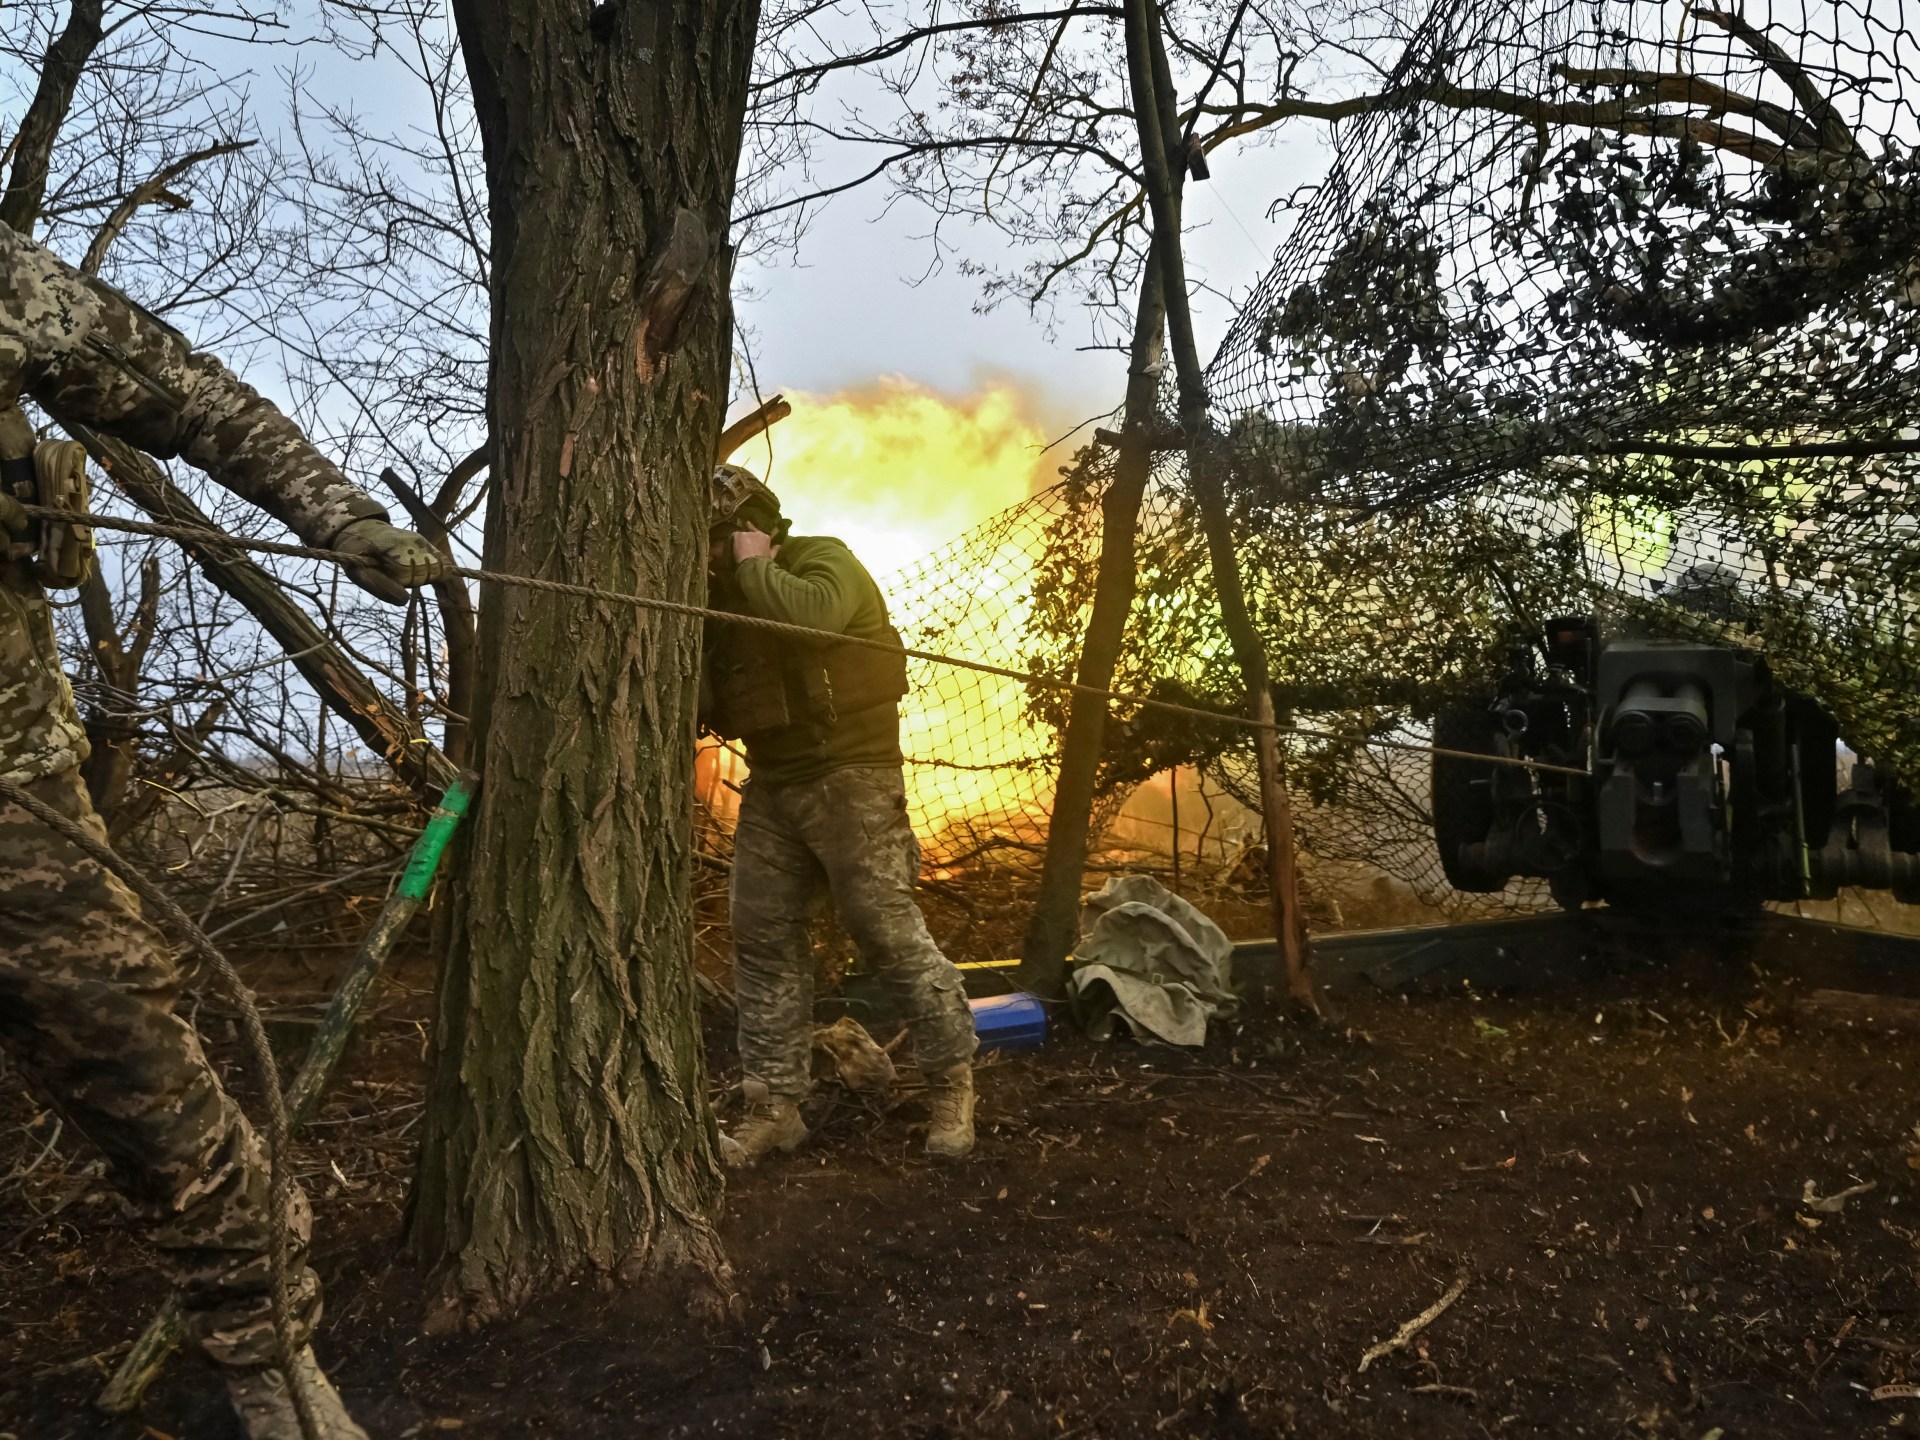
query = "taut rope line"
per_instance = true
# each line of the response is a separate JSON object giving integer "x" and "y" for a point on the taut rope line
{"x": 197, "y": 536}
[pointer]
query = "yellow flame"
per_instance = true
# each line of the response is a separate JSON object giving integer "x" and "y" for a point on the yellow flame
{"x": 897, "y": 471}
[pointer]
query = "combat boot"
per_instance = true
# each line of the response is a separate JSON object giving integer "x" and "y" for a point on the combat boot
{"x": 266, "y": 1410}
{"x": 950, "y": 1099}
{"x": 772, "y": 1123}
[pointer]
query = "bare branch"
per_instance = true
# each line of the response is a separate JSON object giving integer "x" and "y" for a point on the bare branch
{"x": 1624, "y": 116}
{"x": 146, "y": 193}
{"x": 1834, "y": 133}
{"x": 33, "y": 144}
{"x": 810, "y": 74}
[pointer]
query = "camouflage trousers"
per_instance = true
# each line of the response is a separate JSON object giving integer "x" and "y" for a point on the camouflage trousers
{"x": 846, "y": 836}
{"x": 87, "y": 992}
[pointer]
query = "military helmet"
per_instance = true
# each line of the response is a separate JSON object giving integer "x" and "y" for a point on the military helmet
{"x": 735, "y": 489}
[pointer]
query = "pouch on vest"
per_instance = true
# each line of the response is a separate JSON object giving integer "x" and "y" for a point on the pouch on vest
{"x": 744, "y": 685}
{"x": 52, "y": 473}
{"x": 756, "y": 682}
{"x": 848, "y": 678}
{"x": 66, "y": 548}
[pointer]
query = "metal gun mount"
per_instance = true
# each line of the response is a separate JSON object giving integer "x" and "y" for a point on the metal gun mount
{"x": 1874, "y": 843}
{"x": 1701, "y": 777}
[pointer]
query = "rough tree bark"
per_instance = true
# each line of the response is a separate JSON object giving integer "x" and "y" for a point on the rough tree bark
{"x": 568, "y": 1131}
{"x": 1055, "y": 922}
{"x": 1152, "y": 86}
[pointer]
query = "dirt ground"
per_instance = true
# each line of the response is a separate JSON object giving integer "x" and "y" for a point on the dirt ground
{"x": 1159, "y": 1243}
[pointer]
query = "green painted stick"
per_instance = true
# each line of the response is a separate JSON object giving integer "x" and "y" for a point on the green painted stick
{"x": 164, "y": 1333}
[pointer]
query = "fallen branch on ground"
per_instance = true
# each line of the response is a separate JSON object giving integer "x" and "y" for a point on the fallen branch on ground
{"x": 1464, "y": 1392}
{"x": 1414, "y": 1326}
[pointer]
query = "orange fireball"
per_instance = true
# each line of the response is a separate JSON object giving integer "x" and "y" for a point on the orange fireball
{"x": 898, "y": 471}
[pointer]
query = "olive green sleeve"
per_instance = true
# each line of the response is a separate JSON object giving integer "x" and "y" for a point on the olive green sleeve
{"x": 816, "y": 583}
{"x": 89, "y": 354}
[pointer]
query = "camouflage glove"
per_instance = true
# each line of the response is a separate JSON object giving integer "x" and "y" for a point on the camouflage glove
{"x": 397, "y": 560}
{"x": 13, "y": 519}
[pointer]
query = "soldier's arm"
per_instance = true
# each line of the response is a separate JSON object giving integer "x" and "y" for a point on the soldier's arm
{"x": 87, "y": 353}
{"x": 822, "y": 591}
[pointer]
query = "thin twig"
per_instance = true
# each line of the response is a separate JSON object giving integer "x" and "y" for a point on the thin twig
{"x": 1414, "y": 1326}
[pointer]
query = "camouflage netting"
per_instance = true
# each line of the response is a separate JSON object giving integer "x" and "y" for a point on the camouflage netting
{"x": 1608, "y": 297}
{"x": 981, "y": 750}
{"x": 1599, "y": 298}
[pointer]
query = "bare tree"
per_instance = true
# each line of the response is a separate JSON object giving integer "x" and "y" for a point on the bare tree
{"x": 144, "y": 164}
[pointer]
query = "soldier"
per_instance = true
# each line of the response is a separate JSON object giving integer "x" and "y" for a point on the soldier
{"x": 87, "y": 984}
{"x": 823, "y": 811}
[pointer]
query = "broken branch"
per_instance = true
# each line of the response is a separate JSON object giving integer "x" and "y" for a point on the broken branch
{"x": 765, "y": 415}
{"x": 1414, "y": 1326}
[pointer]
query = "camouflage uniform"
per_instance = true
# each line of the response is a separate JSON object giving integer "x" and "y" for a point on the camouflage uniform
{"x": 87, "y": 989}
{"x": 844, "y": 834}
{"x": 825, "y": 813}
{"x": 87, "y": 986}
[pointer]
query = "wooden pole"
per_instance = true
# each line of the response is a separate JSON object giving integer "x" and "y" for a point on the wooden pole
{"x": 1154, "y": 114}
{"x": 164, "y": 1332}
{"x": 1173, "y": 796}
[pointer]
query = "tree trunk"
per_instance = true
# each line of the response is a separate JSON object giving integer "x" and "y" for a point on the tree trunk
{"x": 110, "y": 729}
{"x": 1152, "y": 86}
{"x": 568, "y": 1130}
{"x": 1056, "y": 910}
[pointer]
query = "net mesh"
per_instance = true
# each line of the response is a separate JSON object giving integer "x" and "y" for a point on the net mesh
{"x": 1606, "y": 307}
{"x": 1599, "y": 305}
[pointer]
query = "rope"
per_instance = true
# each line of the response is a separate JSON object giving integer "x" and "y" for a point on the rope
{"x": 259, "y": 1054}
{"x": 196, "y": 535}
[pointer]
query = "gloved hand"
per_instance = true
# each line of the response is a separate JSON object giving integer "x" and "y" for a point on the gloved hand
{"x": 13, "y": 519}
{"x": 398, "y": 560}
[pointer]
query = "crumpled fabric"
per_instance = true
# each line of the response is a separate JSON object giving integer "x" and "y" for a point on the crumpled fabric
{"x": 1149, "y": 964}
{"x": 855, "y": 1058}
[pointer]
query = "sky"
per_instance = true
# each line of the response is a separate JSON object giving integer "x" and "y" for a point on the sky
{"x": 858, "y": 302}
{"x": 861, "y": 303}
{"x": 853, "y": 305}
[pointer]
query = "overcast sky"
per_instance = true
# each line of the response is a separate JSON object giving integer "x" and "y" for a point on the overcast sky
{"x": 855, "y": 305}
{"x": 859, "y": 300}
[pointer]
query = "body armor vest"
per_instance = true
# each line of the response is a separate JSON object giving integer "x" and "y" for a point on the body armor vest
{"x": 759, "y": 682}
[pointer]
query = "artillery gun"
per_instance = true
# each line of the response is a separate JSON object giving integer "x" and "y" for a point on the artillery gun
{"x": 1701, "y": 779}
